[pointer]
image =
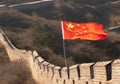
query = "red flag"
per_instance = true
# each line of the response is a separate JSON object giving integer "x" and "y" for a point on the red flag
{"x": 83, "y": 31}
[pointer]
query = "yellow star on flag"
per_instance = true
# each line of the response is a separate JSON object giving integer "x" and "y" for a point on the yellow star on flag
{"x": 70, "y": 25}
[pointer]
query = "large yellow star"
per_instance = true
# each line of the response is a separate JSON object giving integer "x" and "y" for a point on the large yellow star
{"x": 70, "y": 25}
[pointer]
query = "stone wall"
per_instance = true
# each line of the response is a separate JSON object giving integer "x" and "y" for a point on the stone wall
{"x": 32, "y": 5}
{"x": 106, "y": 72}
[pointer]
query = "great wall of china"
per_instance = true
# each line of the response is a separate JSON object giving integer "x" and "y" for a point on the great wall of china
{"x": 106, "y": 72}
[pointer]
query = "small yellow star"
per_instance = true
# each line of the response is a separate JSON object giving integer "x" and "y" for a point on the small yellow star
{"x": 84, "y": 27}
{"x": 70, "y": 25}
{"x": 85, "y": 31}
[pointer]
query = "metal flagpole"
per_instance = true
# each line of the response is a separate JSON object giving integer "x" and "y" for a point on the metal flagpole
{"x": 64, "y": 46}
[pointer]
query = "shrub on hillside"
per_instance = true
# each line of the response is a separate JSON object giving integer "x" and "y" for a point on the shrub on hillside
{"x": 15, "y": 73}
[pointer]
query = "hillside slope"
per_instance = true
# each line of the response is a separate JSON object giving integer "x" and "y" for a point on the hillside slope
{"x": 41, "y": 31}
{"x": 107, "y": 14}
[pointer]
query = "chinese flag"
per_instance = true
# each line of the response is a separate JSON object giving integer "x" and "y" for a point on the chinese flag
{"x": 83, "y": 31}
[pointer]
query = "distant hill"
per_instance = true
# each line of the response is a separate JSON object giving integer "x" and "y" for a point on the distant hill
{"x": 40, "y": 30}
{"x": 107, "y": 14}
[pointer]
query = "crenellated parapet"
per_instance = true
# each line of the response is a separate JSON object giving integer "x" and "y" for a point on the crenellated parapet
{"x": 106, "y": 72}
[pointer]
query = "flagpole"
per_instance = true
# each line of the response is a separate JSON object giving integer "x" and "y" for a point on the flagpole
{"x": 64, "y": 51}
